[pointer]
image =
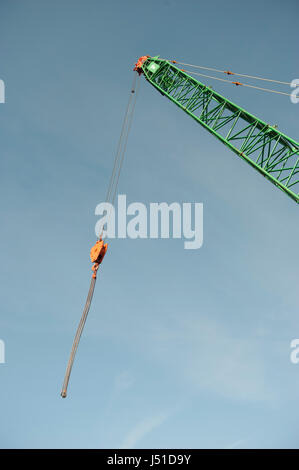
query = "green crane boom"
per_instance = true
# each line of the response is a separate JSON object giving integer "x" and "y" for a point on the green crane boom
{"x": 272, "y": 153}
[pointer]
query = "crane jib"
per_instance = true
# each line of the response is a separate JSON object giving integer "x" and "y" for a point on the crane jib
{"x": 272, "y": 153}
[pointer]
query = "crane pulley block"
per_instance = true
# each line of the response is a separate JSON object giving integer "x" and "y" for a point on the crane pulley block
{"x": 97, "y": 254}
{"x": 139, "y": 63}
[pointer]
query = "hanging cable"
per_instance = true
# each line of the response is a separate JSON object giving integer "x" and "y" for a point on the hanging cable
{"x": 237, "y": 83}
{"x": 129, "y": 125}
{"x": 111, "y": 191}
{"x": 77, "y": 338}
{"x": 121, "y": 150}
{"x": 127, "y": 112}
{"x": 228, "y": 72}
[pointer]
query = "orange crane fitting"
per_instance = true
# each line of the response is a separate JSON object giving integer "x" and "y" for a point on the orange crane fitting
{"x": 139, "y": 63}
{"x": 97, "y": 254}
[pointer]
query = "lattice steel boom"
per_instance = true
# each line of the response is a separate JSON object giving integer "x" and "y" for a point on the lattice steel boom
{"x": 272, "y": 153}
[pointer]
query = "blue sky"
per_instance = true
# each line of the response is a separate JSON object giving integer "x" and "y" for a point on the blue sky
{"x": 182, "y": 348}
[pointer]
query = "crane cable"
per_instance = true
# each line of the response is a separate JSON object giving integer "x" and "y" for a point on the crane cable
{"x": 110, "y": 196}
{"x": 117, "y": 155}
{"x": 238, "y": 83}
{"x": 228, "y": 72}
{"x": 122, "y": 146}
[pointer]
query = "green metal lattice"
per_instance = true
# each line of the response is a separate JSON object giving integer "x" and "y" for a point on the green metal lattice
{"x": 272, "y": 153}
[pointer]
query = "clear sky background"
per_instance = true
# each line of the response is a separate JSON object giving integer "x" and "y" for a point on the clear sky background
{"x": 182, "y": 348}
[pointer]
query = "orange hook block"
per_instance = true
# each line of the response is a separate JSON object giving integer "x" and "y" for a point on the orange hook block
{"x": 97, "y": 254}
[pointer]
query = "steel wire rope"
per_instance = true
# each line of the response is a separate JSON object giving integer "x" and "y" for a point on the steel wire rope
{"x": 229, "y": 72}
{"x": 237, "y": 83}
{"x": 126, "y": 126}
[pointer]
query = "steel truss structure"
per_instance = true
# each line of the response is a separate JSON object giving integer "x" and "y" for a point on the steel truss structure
{"x": 272, "y": 153}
